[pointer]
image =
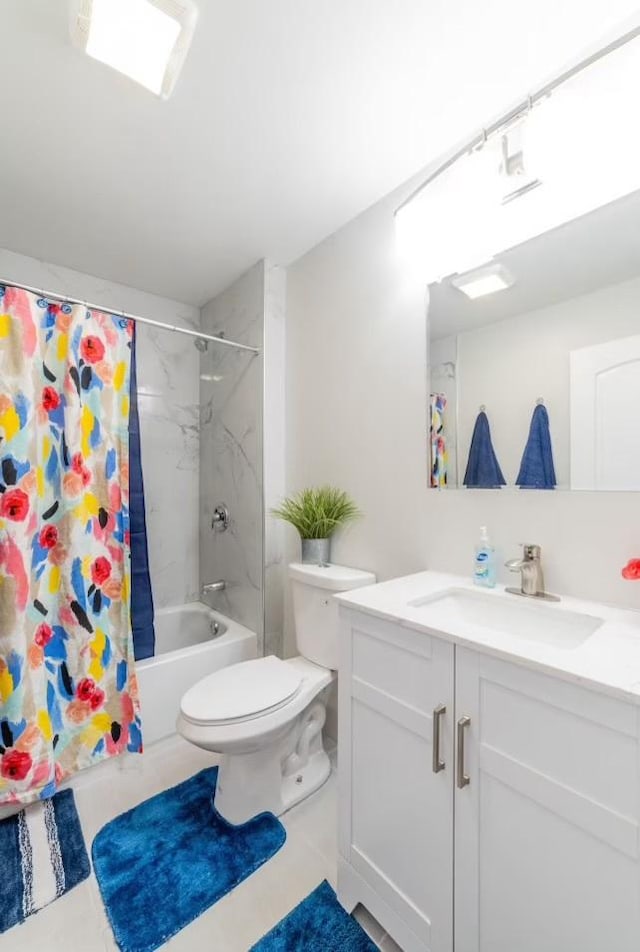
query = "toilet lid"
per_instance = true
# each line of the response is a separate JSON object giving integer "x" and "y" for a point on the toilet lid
{"x": 241, "y": 691}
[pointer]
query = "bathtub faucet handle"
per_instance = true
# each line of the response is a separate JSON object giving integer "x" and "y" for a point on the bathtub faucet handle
{"x": 220, "y": 519}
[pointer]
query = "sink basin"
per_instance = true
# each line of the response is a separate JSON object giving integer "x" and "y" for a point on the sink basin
{"x": 458, "y": 608}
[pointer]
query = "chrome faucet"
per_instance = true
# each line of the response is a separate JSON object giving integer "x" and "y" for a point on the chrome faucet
{"x": 212, "y": 587}
{"x": 532, "y": 576}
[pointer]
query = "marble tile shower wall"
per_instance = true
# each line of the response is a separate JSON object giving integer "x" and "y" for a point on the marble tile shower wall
{"x": 231, "y": 450}
{"x": 168, "y": 388}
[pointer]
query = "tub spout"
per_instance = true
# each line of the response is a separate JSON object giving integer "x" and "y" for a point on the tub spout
{"x": 212, "y": 587}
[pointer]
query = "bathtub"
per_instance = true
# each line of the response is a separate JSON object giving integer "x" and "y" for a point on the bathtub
{"x": 191, "y": 642}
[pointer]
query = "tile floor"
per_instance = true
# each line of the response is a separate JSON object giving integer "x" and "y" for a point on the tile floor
{"x": 77, "y": 921}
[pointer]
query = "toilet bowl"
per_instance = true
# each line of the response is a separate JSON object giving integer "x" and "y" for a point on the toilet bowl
{"x": 265, "y": 717}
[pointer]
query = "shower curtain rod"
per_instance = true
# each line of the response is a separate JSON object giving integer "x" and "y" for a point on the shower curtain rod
{"x": 49, "y": 295}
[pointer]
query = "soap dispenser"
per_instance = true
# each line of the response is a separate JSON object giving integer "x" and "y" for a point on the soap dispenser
{"x": 485, "y": 561}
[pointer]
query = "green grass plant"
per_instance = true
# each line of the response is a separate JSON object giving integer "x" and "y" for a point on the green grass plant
{"x": 318, "y": 511}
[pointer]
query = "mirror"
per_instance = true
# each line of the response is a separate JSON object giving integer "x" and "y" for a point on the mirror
{"x": 559, "y": 335}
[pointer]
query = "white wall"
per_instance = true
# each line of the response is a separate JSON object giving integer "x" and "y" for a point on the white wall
{"x": 509, "y": 364}
{"x": 168, "y": 403}
{"x": 356, "y": 416}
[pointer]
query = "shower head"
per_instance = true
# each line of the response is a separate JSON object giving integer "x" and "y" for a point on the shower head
{"x": 201, "y": 344}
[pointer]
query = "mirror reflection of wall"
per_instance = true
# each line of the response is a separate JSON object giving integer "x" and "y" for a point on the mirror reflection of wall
{"x": 531, "y": 239}
{"x": 567, "y": 333}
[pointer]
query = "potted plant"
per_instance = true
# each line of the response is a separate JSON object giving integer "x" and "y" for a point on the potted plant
{"x": 316, "y": 513}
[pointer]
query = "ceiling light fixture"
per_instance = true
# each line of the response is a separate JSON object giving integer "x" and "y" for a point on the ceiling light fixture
{"x": 147, "y": 40}
{"x": 494, "y": 277}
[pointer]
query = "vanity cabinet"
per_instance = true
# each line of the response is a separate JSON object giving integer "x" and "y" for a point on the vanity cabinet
{"x": 484, "y": 806}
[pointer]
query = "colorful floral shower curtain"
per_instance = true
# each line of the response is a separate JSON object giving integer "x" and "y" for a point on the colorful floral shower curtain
{"x": 439, "y": 455}
{"x": 68, "y": 693}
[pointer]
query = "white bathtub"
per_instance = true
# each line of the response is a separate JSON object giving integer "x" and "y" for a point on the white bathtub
{"x": 186, "y": 650}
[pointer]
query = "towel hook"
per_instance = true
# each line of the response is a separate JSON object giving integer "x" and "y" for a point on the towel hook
{"x": 540, "y": 402}
{"x": 483, "y": 408}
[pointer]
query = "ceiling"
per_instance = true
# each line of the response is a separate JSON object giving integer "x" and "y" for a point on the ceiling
{"x": 591, "y": 252}
{"x": 289, "y": 119}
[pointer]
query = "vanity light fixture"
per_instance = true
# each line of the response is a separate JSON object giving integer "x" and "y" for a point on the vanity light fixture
{"x": 564, "y": 151}
{"x": 147, "y": 40}
{"x": 481, "y": 281}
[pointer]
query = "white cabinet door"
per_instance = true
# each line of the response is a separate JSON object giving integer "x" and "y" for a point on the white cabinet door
{"x": 396, "y": 809}
{"x": 546, "y": 839}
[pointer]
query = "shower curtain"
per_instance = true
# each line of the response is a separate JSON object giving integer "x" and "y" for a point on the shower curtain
{"x": 142, "y": 614}
{"x": 68, "y": 692}
{"x": 437, "y": 440}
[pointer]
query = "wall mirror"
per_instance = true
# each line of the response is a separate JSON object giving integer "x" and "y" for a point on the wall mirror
{"x": 534, "y": 310}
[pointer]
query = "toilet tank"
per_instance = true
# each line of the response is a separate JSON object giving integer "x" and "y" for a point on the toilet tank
{"x": 315, "y": 611}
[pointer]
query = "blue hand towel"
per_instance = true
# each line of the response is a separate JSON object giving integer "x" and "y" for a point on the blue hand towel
{"x": 536, "y": 469}
{"x": 483, "y": 469}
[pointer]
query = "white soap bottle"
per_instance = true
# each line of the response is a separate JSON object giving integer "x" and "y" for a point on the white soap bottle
{"x": 485, "y": 562}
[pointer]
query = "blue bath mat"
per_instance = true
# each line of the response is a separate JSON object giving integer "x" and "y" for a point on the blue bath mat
{"x": 42, "y": 856}
{"x": 163, "y": 863}
{"x": 318, "y": 924}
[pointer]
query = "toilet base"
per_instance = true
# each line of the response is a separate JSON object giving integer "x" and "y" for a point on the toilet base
{"x": 307, "y": 781}
{"x": 276, "y": 777}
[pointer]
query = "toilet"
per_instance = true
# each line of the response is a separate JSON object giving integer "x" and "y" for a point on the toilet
{"x": 265, "y": 717}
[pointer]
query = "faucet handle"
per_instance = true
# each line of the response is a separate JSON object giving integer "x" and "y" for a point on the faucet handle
{"x": 530, "y": 553}
{"x": 514, "y": 565}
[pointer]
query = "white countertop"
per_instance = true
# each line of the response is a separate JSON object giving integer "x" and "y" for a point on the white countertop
{"x": 608, "y": 661}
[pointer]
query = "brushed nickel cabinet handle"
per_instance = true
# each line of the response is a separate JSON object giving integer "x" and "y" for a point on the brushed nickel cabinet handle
{"x": 438, "y": 713}
{"x": 463, "y": 779}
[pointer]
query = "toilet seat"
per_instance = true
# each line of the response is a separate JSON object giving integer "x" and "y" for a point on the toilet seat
{"x": 241, "y": 692}
{"x": 253, "y": 732}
